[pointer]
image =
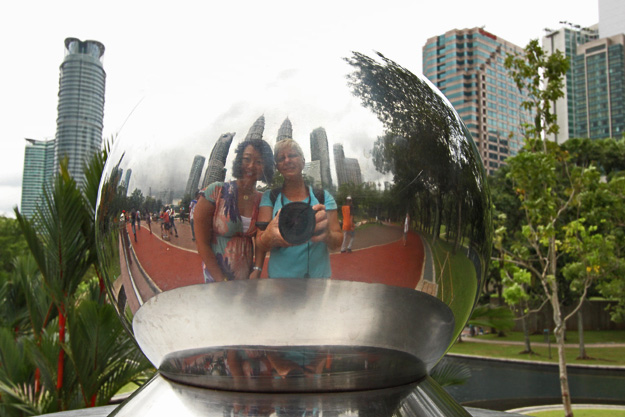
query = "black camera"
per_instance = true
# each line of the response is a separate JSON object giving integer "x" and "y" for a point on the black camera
{"x": 297, "y": 222}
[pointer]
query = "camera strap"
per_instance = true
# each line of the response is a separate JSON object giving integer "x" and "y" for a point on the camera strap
{"x": 307, "y": 274}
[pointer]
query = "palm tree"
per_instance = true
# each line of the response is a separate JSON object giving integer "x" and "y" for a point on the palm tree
{"x": 57, "y": 240}
{"x": 65, "y": 296}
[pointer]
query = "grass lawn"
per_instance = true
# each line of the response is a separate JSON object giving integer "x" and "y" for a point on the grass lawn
{"x": 456, "y": 279}
{"x": 580, "y": 412}
{"x": 129, "y": 387}
{"x": 614, "y": 356}
{"x": 607, "y": 336}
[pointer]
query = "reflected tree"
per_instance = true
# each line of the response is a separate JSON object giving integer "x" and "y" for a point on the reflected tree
{"x": 438, "y": 177}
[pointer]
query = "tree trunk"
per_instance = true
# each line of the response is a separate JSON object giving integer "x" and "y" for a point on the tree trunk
{"x": 60, "y": 366}
{"x": 459, "y": 228}
{"x": 564, "y": 380}
{"x": 61, "y": 361}
{"x": 580, "y": 332}
{"x": 526, "y": 336}
{"x": 560, "y": 328}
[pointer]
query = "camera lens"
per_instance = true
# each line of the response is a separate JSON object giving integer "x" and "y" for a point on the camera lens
{"x": 297, "y": 223}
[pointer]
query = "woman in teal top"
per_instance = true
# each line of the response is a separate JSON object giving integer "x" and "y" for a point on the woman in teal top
{"x": 310, "y": 259}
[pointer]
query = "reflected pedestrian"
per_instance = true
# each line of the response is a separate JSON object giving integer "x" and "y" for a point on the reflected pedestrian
{"x": 148, "y": 219}
{"x": 348, "y": 225}
{"x": 406, "y": 227}
{"x": 133, "y": 222}
{"x": 191, "y": 211}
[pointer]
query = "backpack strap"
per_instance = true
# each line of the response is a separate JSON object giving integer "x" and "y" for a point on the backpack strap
{"x": 319, "y": 193}
{"x": 273, "y": 195}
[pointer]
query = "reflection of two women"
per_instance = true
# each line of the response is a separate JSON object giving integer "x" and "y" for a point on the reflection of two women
{"x": 227, "y": 214}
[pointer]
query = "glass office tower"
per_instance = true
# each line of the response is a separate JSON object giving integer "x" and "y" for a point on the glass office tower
{"x": 467, "y": 66}
{"x": 38, "y": 170}
{"x": 599, "y": 87}
{"x": 566, "y": 40}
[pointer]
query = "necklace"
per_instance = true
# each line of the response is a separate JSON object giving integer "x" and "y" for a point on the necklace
{"x": 246, "y": 196}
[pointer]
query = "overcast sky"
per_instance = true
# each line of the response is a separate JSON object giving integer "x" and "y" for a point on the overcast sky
{"x": 156, "y": 48}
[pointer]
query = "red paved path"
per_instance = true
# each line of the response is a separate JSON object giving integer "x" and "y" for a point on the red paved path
{"x": 391, "y": 263}
{"x": 168, "y": 266}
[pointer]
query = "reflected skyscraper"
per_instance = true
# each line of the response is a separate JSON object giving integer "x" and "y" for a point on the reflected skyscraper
{"x": 38, "y": 169}
{"x": 257, "y": 129}
{"x": 319, "y": 152}
{"x": 127, "y": 179}
{"x": 312, "y": 169}
{"x": 347, "y": 169}
{"x": 352, "y": 171}
{"x": 285, "y": 131}
{"x": 216, "y": 170}
{"x": 194, "y": 175}
{"x": 339, "y": 164}
{"x": 81, "y": 105}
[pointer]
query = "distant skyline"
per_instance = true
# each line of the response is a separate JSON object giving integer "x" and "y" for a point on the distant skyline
{"x": 157, "y": 50}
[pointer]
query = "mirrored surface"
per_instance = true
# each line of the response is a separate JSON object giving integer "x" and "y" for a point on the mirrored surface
{"x": 161, "y": 397}
{"x": 377, "y": 147}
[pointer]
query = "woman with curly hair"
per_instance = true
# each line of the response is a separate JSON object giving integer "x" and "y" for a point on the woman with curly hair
{"x": 226, "y": 213}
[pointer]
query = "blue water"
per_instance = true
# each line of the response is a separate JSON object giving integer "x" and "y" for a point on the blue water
{"x": 524, "y": 384}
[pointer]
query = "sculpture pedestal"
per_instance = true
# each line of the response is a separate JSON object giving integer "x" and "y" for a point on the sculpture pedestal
{"x": 162, "y": 397}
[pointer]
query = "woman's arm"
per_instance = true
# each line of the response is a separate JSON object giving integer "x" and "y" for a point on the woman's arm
{"x": 335, "y": 234}
{"x": 259, "y": 259}
{"x": 203, "y": 218}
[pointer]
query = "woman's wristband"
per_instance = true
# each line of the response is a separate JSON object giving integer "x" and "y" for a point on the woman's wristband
{"x": 257, "y": 268}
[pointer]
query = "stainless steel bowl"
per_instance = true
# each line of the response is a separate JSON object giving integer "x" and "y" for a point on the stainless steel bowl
{"x": 388, "y": 312}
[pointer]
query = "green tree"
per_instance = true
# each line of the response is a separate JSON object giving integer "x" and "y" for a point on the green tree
{"x": 12, "y": 243}
{"x": 136, "y": 200}
{"x": 58, "y": 241}
{"x": 548, "y": 187}
{"x": 435, "y": 176}
{"x": 73, "y": 350}
{"x": 541, "y": 75}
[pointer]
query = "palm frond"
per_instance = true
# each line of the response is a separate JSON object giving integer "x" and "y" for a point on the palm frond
{"x": 102, "y": 353}
{"x": 448, "y": 373}
{"x": 39, "y": 306}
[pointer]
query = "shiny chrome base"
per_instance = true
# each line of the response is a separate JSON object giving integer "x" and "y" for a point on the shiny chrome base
{"x": 294, "y": 335}
{"x": 162, "y": 397}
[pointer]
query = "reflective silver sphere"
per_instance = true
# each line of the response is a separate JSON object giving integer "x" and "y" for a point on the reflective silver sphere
{"x": 394, "y": 301}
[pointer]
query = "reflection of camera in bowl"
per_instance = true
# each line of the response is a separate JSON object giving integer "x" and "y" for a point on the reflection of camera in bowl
{"x": 297, "y": 222}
